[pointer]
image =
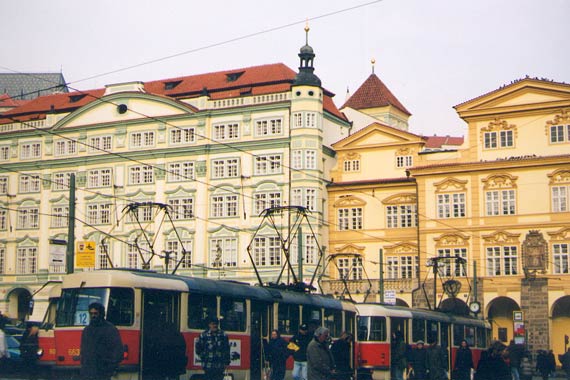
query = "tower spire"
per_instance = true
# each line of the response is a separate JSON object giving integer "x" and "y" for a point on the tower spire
{"x": 373, "y": 62}
{"x": 306, "y": 69}
{"x": 307, "y": 32}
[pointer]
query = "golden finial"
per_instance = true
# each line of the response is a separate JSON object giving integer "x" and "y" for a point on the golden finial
{"x": 373, "y": 62}
{"x": 307, "y": 31}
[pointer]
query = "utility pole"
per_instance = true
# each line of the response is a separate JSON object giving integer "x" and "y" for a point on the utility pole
{"x": 300, "y": 252}
{"x": 381, "y": 274}
{"x": 70, "y": 253}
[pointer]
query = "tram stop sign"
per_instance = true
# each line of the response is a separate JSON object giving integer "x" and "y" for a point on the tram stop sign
{"x": 85, "y": 254}
{"x": 390, "y": 297}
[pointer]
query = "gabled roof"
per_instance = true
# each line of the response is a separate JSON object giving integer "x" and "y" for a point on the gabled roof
{"x": 373, "y": 93}
{"x": 434, "y": 141}
{"x": 31, "y": 85}
{"x": 375, "y": 128}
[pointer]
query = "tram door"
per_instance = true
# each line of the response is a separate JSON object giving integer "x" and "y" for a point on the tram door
{"x": 445, "y": 342}
{"x": 160, "y": 328}
{"x": 401, "y": 325}
{"x": 259, "y": 331}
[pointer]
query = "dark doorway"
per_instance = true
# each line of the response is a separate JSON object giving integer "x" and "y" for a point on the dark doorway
{"x": 259, "y": 331}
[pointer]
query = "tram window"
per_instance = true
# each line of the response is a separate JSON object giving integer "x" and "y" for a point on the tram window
{"x": 432, "y": 331}
{"x": 470, "y": 335}
{"x": 120, "y": 309}
{"x": 349, "y": 322}
{"x": 333, "y": 321}
{"x": 234, "y": 312}
{"x": 311, "y": 314}
{"x": 481, "y": 337}
{"x": 418, "y": 330}
{"x": 363, "y": 328}
{"x": 378, "y": 329}
{"x": 458, "y": 331}
{"x": 288, "y": 316}
{"x": 74, "y": 303}
{"x": 201, "y": 308}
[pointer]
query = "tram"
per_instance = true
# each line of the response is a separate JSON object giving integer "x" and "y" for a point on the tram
{"x": 377, "y": 322}
{"x": 137, "y": 301}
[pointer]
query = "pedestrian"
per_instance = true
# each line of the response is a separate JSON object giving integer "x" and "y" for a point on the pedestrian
{"x": 418, "y": 362}
{"x": 29, "y": 351}
{"x": 565, "y": 361}
{"x": 298, "y": 346}
{"x": 4, "y": 353}
{"x": 213, "y": 348}
{"x": 526, "y": 367}
{"x": 398, "y": 360}
{"x": 463, "y": 362}
{"x": 492, "y": 365}
{"x": 101, "y": 346}
{"x": 436, "y": 363}
{"x": 542, "y": 365}
{"x": 551, "y": 363}
{"x": 320, "y": 365}
{"x": 166, "y": 354}
{"x": 277, "y": 354}
{"x": 514, "y": 354}
{"x": 340, "y": 351}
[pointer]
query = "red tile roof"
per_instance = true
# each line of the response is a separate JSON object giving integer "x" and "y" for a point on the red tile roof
{"x": 7, "y": 101}
{"x": 439, "y": 141}
{"x": 374, "y": 93}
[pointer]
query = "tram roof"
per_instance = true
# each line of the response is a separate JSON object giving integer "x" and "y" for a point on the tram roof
{"x": 378, "y": 309}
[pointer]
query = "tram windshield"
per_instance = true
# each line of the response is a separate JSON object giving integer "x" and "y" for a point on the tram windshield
{"x": 72, "y": 308}
{"x": 372, "y": 329}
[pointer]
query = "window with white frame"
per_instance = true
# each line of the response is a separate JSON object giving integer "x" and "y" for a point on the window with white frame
{"x": 452, "y": 267}
{"x": 180, "y": 136}
{"x": 268, "y": 164}
{"x": 500, "y": 202}
{"x": 267, "y": 251}
{"x": 28, "y": 218}
{"x": 560, "y": 258}
{"x": 223, "y": 252}
{"x": 141, "y": 174}
{"x": 297, "y": 159}
{"x": 225, "y": 168}
{"x": 224, "y": 205}
{"x": 102, "y": 250}
{"x": 350, "y": 268}
{"x": 310, "y": 250}
{"x": 349, "y": 218}
{"x": 142, "y": 139}
{"x": 401, "y": 216}
{"x": 297, "y": 120}
{"x": 405, "y": 266}
{"x": 61, "y": 181}
{"x": 490, "y": 140}
{"x": 26, "y": 260}
{"x": 180, "y": 171}
{"x": 176, "y": 249}
{"x": 351, "y": 165}
{"x": 134, "y": 252}
{"x": 560, "y": 198}
{"x": 506, "y": 139}
{"x": 305, "y": 197}
{"x": 498, "y": 139}
{"x": 451, "y": 205}
{"x": 226, "y": 131}
{"x": 502, "y": 261}
{"x": 98, "y": 144}
{"x": 30, "y": 150}
{"x": 59, "y": 216}
{"x": 311, "y": 120}
{"x": 404, "y": 161}
{"x": 268, "y": 127}
{"x": 29, "y": 183}
{"x": 182, "y": 208}
{"x": 3, "y": 219}
{"x": 66, "y": 147}
{"x": 4, "y": 152}
{"x": 144, "y": 212}
{"x": 310, "y": 159}
{"x": 3, "y": 185}
{"x": 266, "y": 199}
{"x": 99, "y": 178}
{"x": 2, "y": 259}
{"x": 559, "y": 133}
{"x": 99, "y": 213}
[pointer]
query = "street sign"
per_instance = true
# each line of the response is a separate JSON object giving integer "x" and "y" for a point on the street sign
{"x": 57, "y": 253}
{"x": 85, "y": 254}
{"x": 390, "y": 297}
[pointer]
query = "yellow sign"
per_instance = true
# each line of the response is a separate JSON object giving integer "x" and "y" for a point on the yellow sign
{"x": 85, "y": 254}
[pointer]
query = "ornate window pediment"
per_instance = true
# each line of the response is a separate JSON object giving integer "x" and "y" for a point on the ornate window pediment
{"x": 401, "y": 248}
{"x": 451, "y": 185}
{"x": 351, "y": 156}
{"x": 501, "y": 237}
{"x": 561, "y": 176}
{"x": 498, "y": 125}
{"x": 350, "y": 248}
{"x": 397, "y": 199}
{"x": 500, "y": 181}
{"x": 561, "y": 234}
{"x": 451, "y": 240}
{"x": 405, "y": 151}
{"x": 349, "y": 201}
{"x": 562, "y": 118}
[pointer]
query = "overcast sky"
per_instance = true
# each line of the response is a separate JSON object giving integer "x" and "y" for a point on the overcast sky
{"x": 432, "y": 54}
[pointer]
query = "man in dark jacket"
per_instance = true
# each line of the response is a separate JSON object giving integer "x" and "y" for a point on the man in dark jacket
{"x": 340, "y": 351}
{"x": 398, "y": 360}
{"x": 436, "y": 362}
{"x": 277, "y": 354}
{"x": 101, "y": 346}
{"x": 213, "y": 347}
{"x": 320, "y": 363}
{"x": 515, "y": 353}
{"x": 418, "y": 362}
{"x": 298, "y": 346}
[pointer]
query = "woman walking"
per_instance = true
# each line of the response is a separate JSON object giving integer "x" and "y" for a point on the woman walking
{"x": 463, "y": 362}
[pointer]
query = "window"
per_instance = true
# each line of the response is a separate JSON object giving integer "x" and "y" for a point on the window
{"x": 310, "y": 251}
{"x": 560, "y": 198}
{"x": 310, "y": 120}
{"x": 297, "y": 120}
{"x": 223, "y": 252}
{"x": 350, "y": 268}
{"x": 490, "y": 139}
{"x": 103, "y": 249}
{"x": 28, "y": 218}
{"x": 2, "y": 260}
{"x": 451, "y": 267}
{"x": 182, "y": 208}
{"x": 4, "y": 152}
{"x": 181, "y": 136}
{"x": 204, "y": 308}
{"x": 225, "y": 168}
{"x": 502, "y": 261}
{"x": 401, "y": 216}
{"x": 404, "y": 161}
{"x": 59, "y": 216}
{"x": 349, "y": 218}
{"x": 142, "y": 139}
{"x": 268, "y": 164}
{"x": 297, "y": 160}
{"x": 500, "y": 202}
{"x": 224, "y": 205}
{"x": 30, "y": 150}
{"x": 29, "y": 183}
{"x": 65, "y": 147}
{"x": 401, "y": 266}
{"x": 3, "y": 185}
{"x": 267, "y": 251}
{"x": 561, "y": 256}
{"x": 226, "y": 131}
{"x": 451, "y": 205}
{"x": 180, "y": 171}
{"x": 99, "y": 213}
{"x": 351, "y": 165}
{"x": 304, "y": 198}
{"x": 310, "y": 159}
{"x": 26, "y": 260}
{"x": 506, "y": 139}
{"x": 141, "y": 174}
{"x": 3, "y": 219}
{"x": 266, "y": 200}
{"x": 142, "y": 213}
{"x": 61, "y": 181}
{"x": 559, "y": 133}
{"x": 288, "y": 318}
{"x": 134, "y": 251}
{"x": 98, "y": 144}
{"x": 304, "y": 159}
{"x": 268, "y": 127}
{"x": 176, "y": 250}
{"x": 99, "y": 178}
{"x": 234, "y": 312}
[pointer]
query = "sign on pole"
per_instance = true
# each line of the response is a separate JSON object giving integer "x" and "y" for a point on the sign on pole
{"x": 390, "y": 297}
{"x": 57, "y": 252}
{"x": 85, "y": 254}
